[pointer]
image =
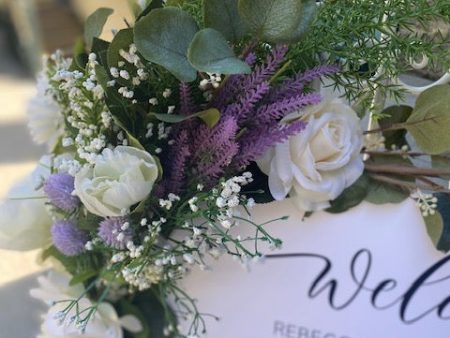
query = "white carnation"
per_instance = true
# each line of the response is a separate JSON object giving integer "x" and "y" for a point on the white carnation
{"x": 45, "y": 119}
{"x": 24, "y": 220}
{"x": 119, "y": 179}
{"x": 317, "y": 164}
{"x": 105, "y": 322}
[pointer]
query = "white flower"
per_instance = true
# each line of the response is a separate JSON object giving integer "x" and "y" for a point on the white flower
{"x": 24, "y": 221}
{"x": 317, "y": 164}
{"x": 119, "y": 179}
{"x": 105, "y": 322}
{"x": 45, "y": 120}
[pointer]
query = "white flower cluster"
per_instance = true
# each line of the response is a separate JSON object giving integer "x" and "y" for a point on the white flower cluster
{"x": 229, "y": 198}
{"x": 427, "y": 203}
{"x": 139, "y": 74}
{"x": 81, "y": 97}
{"x": 208, "y": 85}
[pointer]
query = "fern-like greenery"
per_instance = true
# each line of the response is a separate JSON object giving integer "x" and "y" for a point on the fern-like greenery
{"x": 365, "y": 36}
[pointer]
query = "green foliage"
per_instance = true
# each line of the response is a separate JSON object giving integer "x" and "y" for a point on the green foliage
{"x": 382, "y": 193}
{"x": 223, "y": 16}
{"x": 350, "y": 197}
{"x": 94, "y": 24}
{"x": 163, "y": 37}
{"x": 429, "y": 123}
{"x": 277, "y": 20}
{"x": 435, "y": 227}
{"x": 209, "y": 52}
{"x": 393, "y": 115}
{"x": 152, "y": 4}
{"x": 348, "y": 33}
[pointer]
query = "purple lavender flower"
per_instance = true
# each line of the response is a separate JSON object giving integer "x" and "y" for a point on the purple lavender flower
{"x": 59, "y": 188}
{"x": 115, "y": 232}
{"x": 68, "y": 239}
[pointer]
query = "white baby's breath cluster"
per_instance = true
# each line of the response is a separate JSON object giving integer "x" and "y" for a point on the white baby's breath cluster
{"x": 427, "y": 203}
{"x": 81, "y": 96}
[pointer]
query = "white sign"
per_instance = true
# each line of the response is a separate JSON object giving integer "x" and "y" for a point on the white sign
{"x": 371, "y": 272}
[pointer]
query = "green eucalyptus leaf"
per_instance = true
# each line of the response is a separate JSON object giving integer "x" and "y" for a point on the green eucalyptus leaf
{"x": 429, "y": 122}
{"x": 309, "y": 10}
{"x": 382, "y": 193}
{"x": 163, "y": 37}
{"x": 94, "y": 24}
{"x": 350, "y": 197}
{"x": 223, "y": 16}
{"x": 209, "y": 52}
{"x": 393, "y": 115}
{"x": 276, "y": 20}
{"x": 435, "y": 226}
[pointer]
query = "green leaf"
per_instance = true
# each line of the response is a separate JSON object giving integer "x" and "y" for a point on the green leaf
{"x": 163, "y": 37}
{"x": 429, "y": 123}
{"x": 210, "y": 116}
{"x": 82, "y": 277}
{"x": 382, "y": 193}
{"x": 277, "y": 20}
{"x": 350, "y": 197}
{"x": 100, "y": 48}
{"x": 223, "y": 16}
{"x": 435, "y": 227}
{"x": 94, "y": 24}
{"x": 393, "y": 115}
{"x": 209, "y": 52}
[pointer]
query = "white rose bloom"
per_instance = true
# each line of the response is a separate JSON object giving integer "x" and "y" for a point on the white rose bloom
{"x": 119, "y": 179}
{"x": 316, "y": 165}
{"x": 104, "y": 323}
{"x": 45, "y": 120}
{"x": 24, "y": 220}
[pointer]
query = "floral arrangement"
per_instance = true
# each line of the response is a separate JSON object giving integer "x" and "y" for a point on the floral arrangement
{"x": 162, "y": 140}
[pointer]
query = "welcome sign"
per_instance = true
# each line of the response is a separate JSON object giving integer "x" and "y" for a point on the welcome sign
{"x": 369, "y": 273}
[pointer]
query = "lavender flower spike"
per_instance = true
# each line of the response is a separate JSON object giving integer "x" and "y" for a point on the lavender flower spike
{"x": 59, "y": 188}
{"x": 68, "y": 239}
{"x": 115, "y": 232}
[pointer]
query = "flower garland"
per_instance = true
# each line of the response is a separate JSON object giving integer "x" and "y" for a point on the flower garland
{"x": 163, "y": 139}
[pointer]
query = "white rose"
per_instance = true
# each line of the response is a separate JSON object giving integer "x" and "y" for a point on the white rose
{"x": 119, "y": 179}
{"x": 24, "y": 220}
{"x": 316, "y": 165}
{"x": 104, "y": 323}
{"x": 45, "y": 120}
